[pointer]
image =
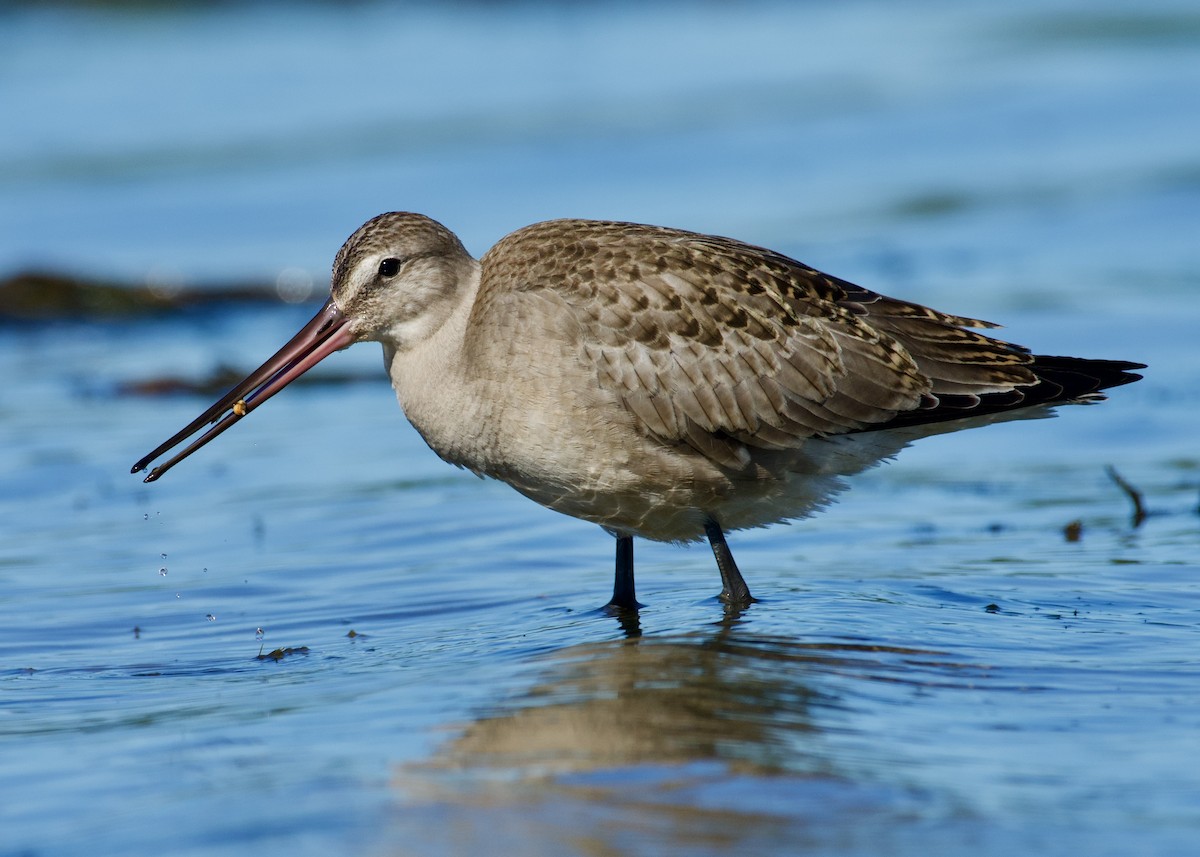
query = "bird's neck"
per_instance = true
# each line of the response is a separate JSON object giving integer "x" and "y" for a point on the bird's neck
{"x": 436, "y": 388}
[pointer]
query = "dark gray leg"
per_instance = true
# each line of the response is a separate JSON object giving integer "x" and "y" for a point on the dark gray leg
{"x": 624, "y": 597}
{"x": 733, "y": 588}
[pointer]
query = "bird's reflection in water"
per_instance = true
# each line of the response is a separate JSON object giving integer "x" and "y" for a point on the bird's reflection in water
{"x": 714, "y": 697}
{"x": 703, "y": 736}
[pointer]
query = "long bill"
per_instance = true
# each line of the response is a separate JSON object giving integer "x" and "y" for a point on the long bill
{"x": 326, "y": 333}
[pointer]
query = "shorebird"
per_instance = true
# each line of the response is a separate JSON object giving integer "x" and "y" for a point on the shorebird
{"x": 657, "y": 382}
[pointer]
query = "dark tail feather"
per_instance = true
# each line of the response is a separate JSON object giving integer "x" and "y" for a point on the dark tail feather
{"x": 1077, "y": 377}
{"x": 1059, "y": 380}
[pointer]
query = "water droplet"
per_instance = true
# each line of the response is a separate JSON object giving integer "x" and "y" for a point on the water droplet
{"x": 259, "y": 634}
{"x": 146, "y": 517}
{"x": 205, "y": 570}
{"x": 211, "y": 618}
{"x": 162, "y": 572}
{"x": 163, "y": 555}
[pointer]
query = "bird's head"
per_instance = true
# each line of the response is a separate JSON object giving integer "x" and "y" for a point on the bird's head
{"x": 398, "y": 277}
{"x": 395, "y": 280}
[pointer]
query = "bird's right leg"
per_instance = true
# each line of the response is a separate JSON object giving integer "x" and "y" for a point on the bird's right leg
{"x": 734, "y": 590}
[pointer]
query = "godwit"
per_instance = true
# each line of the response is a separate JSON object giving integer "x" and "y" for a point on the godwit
{"x": 656, "y": 382}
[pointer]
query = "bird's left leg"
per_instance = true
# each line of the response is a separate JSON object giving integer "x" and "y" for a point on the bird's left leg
{"x": 624, "y": 596}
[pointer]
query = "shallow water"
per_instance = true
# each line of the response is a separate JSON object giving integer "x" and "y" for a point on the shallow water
{"x": 933, "y": 667}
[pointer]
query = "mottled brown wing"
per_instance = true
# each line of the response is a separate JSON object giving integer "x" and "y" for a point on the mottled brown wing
{"x": 729, "y": 347}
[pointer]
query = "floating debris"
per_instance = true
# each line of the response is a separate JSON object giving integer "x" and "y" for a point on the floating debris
{"x": 1073, "y": 531}
{"x": 280, "y": 654}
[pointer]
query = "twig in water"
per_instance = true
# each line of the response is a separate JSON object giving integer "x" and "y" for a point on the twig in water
{"x": 1135, "y": 496}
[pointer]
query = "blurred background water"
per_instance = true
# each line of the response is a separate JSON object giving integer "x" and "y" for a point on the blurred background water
{"x": 935, "y": 666}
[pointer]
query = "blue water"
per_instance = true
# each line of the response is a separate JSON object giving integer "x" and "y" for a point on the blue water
{"x": 933, "y": 668}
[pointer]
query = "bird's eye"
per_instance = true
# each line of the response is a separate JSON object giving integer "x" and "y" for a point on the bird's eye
{"x": 389, "y": 267}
